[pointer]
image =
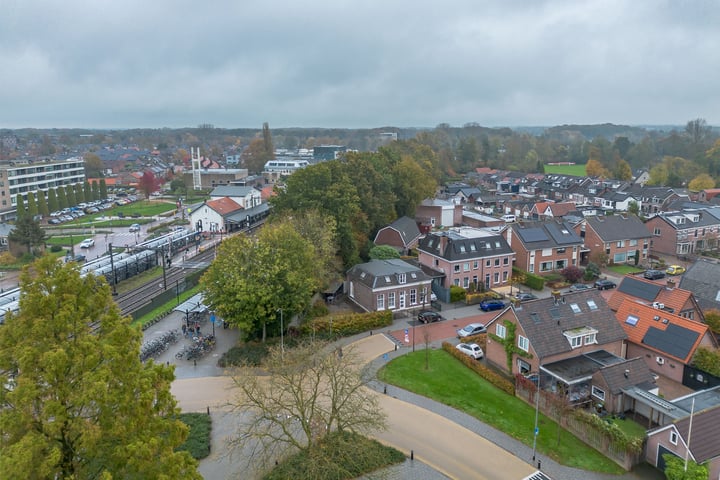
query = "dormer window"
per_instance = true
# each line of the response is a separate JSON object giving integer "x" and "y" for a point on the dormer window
{"x": 401, "y": 278}
{"x": 387, "y": 279}
{"x": 581, "y": 335}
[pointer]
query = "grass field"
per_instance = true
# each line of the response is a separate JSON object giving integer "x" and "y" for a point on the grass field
{"x": 577, "y": 170}
{"x": 450, "y": 382}
{"x": 625, "y": 269}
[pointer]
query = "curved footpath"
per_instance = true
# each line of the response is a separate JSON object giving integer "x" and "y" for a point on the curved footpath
{"x": 446, "y": 443}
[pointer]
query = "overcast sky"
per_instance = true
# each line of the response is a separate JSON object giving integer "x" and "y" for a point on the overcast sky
{"x": 361, "y": 63}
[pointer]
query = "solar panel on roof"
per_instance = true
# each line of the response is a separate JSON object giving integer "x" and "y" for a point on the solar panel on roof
{"x": 637, "y": 288}
{"x": 534, "y": 234}
{"x": 560, "y": 234}
{"x": 674, "y": 340}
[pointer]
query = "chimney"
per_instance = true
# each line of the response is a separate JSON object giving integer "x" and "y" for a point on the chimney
{"x": 670, "y": 283}
{"x": 627, "y": 373}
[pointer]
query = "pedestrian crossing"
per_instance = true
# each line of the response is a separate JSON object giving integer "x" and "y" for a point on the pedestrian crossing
{"x": 537, "y": 476}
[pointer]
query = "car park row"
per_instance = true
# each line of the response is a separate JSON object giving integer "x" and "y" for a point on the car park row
{"x": 73, "y": 213}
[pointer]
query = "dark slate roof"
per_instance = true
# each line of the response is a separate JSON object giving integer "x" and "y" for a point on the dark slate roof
{"x": 673, "y": 340}
{"x": 241, "y": 215}
{"x": 407, "y": 228}
{"x": 385, "y": 273}
{"x": 703, "y": 279}
{"x": 615, "y": 377}
{"x": 640, "y": 289}
{"x": 618, "y": 227}
{"x": 550, "y": 234}
{"x": 464, "y": 244}
{"x": 704, "y": 443}
{"x": 544, "y": 321}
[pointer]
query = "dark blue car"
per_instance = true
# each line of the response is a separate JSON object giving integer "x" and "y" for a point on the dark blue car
{"x": 488, "y": 305}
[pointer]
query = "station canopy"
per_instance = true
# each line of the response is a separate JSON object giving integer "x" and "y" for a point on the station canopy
{"x": 193, "y": 304}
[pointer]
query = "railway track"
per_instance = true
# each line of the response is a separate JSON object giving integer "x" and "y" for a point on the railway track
{"x": 133, "y": 300}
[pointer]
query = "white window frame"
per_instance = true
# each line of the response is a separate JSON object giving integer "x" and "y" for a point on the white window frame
{"x": 413, "y": 296}
{"x": 381, "y": 301}
{"x": 523, "y": 343}
{"x": 598, "y": 393}
{"x": 673, "y": 437}
{"x": 391, "y": 300}
{"x": 500, "y": 330}
{"x": 402, "y": 278}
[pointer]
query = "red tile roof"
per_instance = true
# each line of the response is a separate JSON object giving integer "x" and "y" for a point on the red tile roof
{"x": 224, "y": 205}
{"x": 646, "y": 315}
{"x": 675, "y": 298}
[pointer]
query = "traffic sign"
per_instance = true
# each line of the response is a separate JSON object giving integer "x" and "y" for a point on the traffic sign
{"x": 212, "y": 318}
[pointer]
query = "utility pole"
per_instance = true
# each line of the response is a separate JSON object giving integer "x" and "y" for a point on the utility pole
{"x": 112, "y": 268}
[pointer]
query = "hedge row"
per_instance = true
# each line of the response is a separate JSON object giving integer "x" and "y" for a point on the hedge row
{"x": 457, "y": 293}
{"x": 533, "y": 281}
{"x": 475, "y": 298}
{"x": 486, "y": 373}
{"x": 348, "y": 323}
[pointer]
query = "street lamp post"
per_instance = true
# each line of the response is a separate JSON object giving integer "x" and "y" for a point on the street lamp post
{"x": 537, "y": 410}
{"x": 187, "y": 319}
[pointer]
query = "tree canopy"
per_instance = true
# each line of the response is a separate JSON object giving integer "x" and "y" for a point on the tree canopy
{"x": 80, "y": 403}
{"x": 27, "y": 232}
{"x": 253, "y": 280}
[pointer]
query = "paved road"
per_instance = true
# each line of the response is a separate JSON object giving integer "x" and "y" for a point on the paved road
{"x": 430, "y": 439}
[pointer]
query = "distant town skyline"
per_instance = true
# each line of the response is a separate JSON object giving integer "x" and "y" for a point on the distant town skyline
{"x": 367, "y": 64}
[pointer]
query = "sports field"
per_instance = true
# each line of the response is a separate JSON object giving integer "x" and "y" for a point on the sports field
{"x": 577, "y": 169}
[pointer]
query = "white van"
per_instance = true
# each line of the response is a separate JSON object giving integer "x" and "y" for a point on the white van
{"x": 508, "y": 218}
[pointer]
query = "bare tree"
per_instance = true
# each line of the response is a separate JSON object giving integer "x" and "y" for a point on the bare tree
{"x": 302, "y": 395}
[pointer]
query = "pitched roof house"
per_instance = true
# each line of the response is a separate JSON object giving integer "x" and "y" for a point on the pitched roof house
{"x": 612, "y": 384}
{"x": 665, "y": 341}
{"x": 467, "y": 256}
{"x": 664, "y": 296}
{"x": 402, "y": 234}
{"x": 544, "y": 246}
{"x": 567, "y": 339}
{"x": 624, "y": 239}
{"x": 693, "y": 436}
{"x": 703, "y": 279}
{"x": 682, "y": 233}
{"x": 392, "y": 284}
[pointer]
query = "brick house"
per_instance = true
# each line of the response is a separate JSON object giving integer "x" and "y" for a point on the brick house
{"x": 624, "y": 239}
{"x": 665, "y": 296}
{"x": 435, "y": 213}
{"x": 675, "y": 438}
{"x": 467, "y": 256}
{"x": 392, "y": 284}
{"x": 402, "y": 234}
{"x": 611, "y": 383}
{"x": 544, "y": 246}
{"x": 666, "y": 342}
{"x": 682, "y": 233}
{"x": 566, "y": 339}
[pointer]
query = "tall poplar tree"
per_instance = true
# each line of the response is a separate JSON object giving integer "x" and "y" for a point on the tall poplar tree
{"x": 42, "y": 204}
{"x": 82, "y": 405}
{"x": 32, "y": 208}
{"x": 52, "y": 200}
{"x": 62, "y": 198}
{"x": 20, "y": 206}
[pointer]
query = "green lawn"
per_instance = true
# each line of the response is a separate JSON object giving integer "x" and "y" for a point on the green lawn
{"x": 198, "y": 440}
{"x": 143, "y": 208}
{"x": 625, "y": 269}
{"x": 449, "y": 382}
{"x": 577, "y": 170}
{"x": 66, "y": 240}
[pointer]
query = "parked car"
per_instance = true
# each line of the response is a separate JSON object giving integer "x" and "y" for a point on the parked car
{"x": 488, "y": 305}
{"x": 579, "y": 287}
{"x": 429, "y": 316}
{"x": 472, "y": 329}
{"x": 79, "y": 258}
{"x": 675, "y": 270}
{"x": 135, "y": 227}
{"x": 471, "y": 349}
{"x": 654, "y": 274}
{"x": 524, "y": 297}
{"x": 87, "y": 243}
{"x": 605, "y": 284}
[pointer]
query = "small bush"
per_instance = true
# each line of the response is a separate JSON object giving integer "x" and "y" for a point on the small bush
{"x": 347, "y": 324}
{"x": 7, "y": 258}
{"x": 249, "y": 353}
{"x": 318, "y": 309}
{"x": 457, "y": 294}
{"x": 475, "y": 298}
{"x": 198, "y": 440}
{"x": 55, "y": 248}
{"x": 572, "y": 273}
{"x": 338, "y": 456}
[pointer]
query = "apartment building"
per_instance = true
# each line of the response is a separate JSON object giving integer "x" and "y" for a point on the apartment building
{"x": 26, "y": 176}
